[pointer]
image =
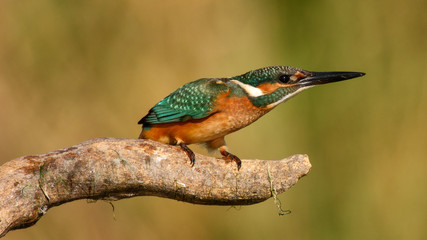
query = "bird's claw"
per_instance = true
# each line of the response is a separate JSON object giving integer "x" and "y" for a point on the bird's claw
{"x": 189, "y": 153}
{"x": 229, "y": 156}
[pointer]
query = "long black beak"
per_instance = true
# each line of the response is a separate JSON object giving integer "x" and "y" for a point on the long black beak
{"x": 316, "y": 78}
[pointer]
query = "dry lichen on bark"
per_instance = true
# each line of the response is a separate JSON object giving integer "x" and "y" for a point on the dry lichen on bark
{"x": 111, "y": 169}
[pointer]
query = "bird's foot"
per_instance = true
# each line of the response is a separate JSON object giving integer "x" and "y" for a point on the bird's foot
{"x": 189, "y": 153}
{"x": 229, "y": 156}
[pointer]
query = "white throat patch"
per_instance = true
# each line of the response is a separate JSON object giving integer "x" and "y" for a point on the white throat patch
{"x": 250, "y": 90}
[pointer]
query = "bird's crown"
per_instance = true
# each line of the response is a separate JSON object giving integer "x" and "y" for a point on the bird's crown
{"x": 274, "y": 74}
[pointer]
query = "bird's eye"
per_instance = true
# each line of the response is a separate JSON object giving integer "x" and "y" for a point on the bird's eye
{"x": 284, "y": 78}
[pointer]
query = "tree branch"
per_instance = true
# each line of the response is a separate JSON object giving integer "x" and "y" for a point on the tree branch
{"x": 112, "y": 169}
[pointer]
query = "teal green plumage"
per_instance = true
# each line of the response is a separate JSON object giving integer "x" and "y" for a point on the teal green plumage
{"x": 194, "y": 100}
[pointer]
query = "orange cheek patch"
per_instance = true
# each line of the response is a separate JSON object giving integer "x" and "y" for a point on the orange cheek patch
{"x": 268, "y": 87}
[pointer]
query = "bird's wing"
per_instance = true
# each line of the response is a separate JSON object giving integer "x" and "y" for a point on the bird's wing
{"x": 194, "y": 100}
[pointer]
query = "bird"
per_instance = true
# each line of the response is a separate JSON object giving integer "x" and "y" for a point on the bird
{"x": 206, "y": 110}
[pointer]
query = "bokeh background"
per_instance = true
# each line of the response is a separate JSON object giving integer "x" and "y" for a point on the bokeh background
{"x": 77, "y": 70}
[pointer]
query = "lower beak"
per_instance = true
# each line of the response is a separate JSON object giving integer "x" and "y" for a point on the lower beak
{"x": 317, "y": 78}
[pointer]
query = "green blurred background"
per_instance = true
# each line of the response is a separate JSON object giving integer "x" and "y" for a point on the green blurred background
{"x": 77, "y": 70}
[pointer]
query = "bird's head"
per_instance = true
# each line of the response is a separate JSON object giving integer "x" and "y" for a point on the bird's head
{"x": 272, "y": 85}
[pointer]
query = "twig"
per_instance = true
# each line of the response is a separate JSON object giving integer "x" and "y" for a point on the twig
{"x": 277, "y": 201}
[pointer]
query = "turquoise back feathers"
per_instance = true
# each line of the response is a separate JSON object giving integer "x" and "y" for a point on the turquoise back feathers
{"x": 194, "y": 100}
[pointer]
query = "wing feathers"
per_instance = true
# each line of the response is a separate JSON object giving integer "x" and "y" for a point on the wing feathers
{"x": 194, "y": 100}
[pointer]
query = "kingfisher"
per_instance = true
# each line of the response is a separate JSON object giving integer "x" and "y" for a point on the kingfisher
{"x": 206, "y": 110}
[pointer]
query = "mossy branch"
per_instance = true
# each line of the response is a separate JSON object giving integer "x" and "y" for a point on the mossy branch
{"x": 112, "y": 169}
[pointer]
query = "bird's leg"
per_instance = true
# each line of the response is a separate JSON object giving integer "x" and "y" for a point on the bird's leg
{"x": 219, "y": 144}
{"x": 189, "y": 153}
{"x": 227, "y": 155}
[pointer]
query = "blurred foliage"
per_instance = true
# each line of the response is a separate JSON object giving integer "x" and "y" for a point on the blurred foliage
{"x": 76, "y": 70}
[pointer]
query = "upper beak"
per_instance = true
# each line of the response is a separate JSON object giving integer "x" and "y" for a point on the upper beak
{"x": 316, "y": 78}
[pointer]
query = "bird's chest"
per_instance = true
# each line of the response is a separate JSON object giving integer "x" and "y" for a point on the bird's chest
{"x": 234, "y": 113}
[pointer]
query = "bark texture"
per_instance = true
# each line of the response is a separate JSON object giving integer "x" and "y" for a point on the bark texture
{"x": 112, "y": 169}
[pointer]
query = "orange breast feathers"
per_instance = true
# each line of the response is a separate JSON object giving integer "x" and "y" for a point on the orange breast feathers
{"x": 229, "y": 115}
